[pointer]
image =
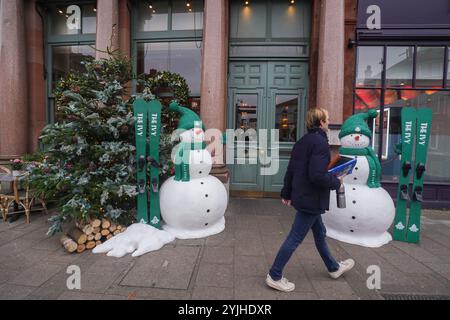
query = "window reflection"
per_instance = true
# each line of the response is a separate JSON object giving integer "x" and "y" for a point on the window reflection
{"x": 286, "y": 117}
{"x": 180, "y": 57}
{"x": 399, "y": 66}
{"x": 369, "y": 66}
{"x": 367, "y": 99}
{"x": 448, "y": 69}
{"x": 246, "y": 111}
{"x": 69, "y": 58}
{"x": 430, "y": 67}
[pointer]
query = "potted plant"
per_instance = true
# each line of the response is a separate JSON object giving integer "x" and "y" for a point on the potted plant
{"x": 17, "y": 166}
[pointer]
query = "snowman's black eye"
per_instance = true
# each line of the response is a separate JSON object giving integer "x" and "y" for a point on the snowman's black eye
{"x": 208, "y": 210}
{"x": 206, "y": 195}
{"x": 206, "y": 224}
{"x": 199, "y": 172}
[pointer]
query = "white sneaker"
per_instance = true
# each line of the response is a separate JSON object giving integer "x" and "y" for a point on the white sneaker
{"x": 283, "y": 284}
{"x": 344, "y": 266}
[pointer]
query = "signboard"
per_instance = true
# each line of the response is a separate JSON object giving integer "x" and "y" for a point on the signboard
{"x": 398, "y": 18}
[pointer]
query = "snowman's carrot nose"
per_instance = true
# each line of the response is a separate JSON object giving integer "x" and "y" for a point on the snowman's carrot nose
{"x": 357, "y": 138}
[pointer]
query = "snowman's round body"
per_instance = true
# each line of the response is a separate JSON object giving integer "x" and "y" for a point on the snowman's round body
{"x": 369, "y": 212}
{"x": 195, "y": 208}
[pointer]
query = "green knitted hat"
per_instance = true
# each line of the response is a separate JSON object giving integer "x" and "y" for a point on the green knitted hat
{"x": 357, "y": 124}
{"x": 188, "y": 117}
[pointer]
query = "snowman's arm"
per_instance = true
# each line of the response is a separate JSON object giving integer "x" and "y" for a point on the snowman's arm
{"x": 318, "y": 168}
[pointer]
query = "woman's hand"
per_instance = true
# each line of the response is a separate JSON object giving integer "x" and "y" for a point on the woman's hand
{"x": 286, "y": 202}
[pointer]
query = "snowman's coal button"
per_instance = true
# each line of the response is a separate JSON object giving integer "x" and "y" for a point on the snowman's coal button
{"x": 351, "y": 231}
{"x": 354, "y": 189}
{"x": 354, "y": 201}
{"x": 201, "y": 183}
{"x": 353, "y": 217}
{"x": 356, "y": 168}
{"x": 208, "y": 210}
{"x": 206, "y": 224}
{"x": 355, "y": 178}
{"x": 199, "y": 172}
{"x": 206, "y": 195}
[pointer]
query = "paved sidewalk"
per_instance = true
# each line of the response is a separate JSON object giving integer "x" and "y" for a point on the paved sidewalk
{"x": 231, "y": 265}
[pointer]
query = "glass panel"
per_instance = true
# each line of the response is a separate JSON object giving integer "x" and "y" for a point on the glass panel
{"x": 152, "y": 15}
{"x": 290, "y": 20}
{"x": 248, "y": 21}
{"x": 286, "y": 117}
{"x": 369, "y": 66}
{"x": 73, "y": 19}
{"x": 439, "y": 145}
{"x": 89, "y": 23}
{"x": 265, "y": 51}
{"x": 399, "y": 66}
{"x": 68, "y": 58}
{"x": 187, "y": 17}
{"x": 367, "y": 99}
{"x": 448, "y": 68}
{"x": 180, "y": 57}
{"x": 430, "y": 67}
{"x": 246, "y": 111}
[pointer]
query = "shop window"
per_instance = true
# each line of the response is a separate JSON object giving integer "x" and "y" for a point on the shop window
{"x": 68, "y": 59}
{"x": 261, "y": 20}
{"x": 187, "y": 15}
{"x": 369, "y": 66}
{"x": 399, "y": 66}
{"x": 183, "y": 58}
{"x": 246, "y": 111}
{"x": 73, "y": 19}
{"x": 439, "y": 145}
{"x": 367, "y": 99}
{"x": 153, "y": 15}
{"x": 430, "y": 67}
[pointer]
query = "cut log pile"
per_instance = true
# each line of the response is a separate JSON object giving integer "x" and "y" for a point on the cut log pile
{"x": 86, "y": 236}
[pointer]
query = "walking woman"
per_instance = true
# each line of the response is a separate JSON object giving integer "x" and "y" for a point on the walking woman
{"x": 307, "y": 186}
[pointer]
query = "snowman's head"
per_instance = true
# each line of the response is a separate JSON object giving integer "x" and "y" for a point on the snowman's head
{"x": 193, "y": 135}
{"x": 355, "y": 140}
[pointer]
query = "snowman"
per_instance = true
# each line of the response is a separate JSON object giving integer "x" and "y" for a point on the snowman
{"x": 369, "y": 208}
{"x": 192, "y": 202}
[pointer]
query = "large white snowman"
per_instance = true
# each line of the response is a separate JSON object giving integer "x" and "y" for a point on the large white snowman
{"x": 192, "y": 202}
{"x": 369, "y": 208}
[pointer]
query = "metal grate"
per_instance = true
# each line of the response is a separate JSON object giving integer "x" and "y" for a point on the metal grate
{"x": 414, "y": 297}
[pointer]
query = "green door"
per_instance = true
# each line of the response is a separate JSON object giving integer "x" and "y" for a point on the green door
{"x": 269, "y": 96}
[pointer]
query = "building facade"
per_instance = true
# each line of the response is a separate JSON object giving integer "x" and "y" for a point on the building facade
{"x": 256, "y": 64}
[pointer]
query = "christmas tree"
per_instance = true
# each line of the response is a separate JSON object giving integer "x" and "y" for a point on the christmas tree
{"x": 88, "y": 164}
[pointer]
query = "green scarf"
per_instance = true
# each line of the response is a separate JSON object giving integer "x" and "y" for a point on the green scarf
{"x": 373, "y": 180}
{"x": 182, "y": 159}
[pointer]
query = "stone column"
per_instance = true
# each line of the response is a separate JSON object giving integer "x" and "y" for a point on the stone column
{"x": 107, "y": 27}
{"x": 330, "y": 79}
{"x": 214, "y": 71}
{"x": 35, "y": 69}
{"x": 13, "y": 80}
{"x": 124, "y": 28}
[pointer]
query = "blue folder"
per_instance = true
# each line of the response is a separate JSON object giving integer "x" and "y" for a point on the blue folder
{"x": 344, "y": 166}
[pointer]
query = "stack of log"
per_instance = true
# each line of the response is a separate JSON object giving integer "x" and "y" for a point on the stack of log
{"x": 86, "y": 236}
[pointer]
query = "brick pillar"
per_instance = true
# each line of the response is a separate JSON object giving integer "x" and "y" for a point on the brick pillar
{"x": 214, "y": 71}
{"x": 330, "y": 79}
{"x": 107, "y": 27}
{"x": 35, "y": 69}
{"x": 13, "y": 80}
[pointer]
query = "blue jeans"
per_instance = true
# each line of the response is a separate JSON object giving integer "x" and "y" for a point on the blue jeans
{"x": 302, "y": 223}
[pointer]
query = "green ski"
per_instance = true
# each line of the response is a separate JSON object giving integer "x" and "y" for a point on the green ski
{"x": 140, "y": 112}
{"x": 154, "y": 118}
{"x": 424, "y": 118}
{"x": 408, "y": 119}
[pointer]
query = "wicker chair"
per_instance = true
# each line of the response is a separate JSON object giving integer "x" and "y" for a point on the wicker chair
{"x": 21, "y": 196}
